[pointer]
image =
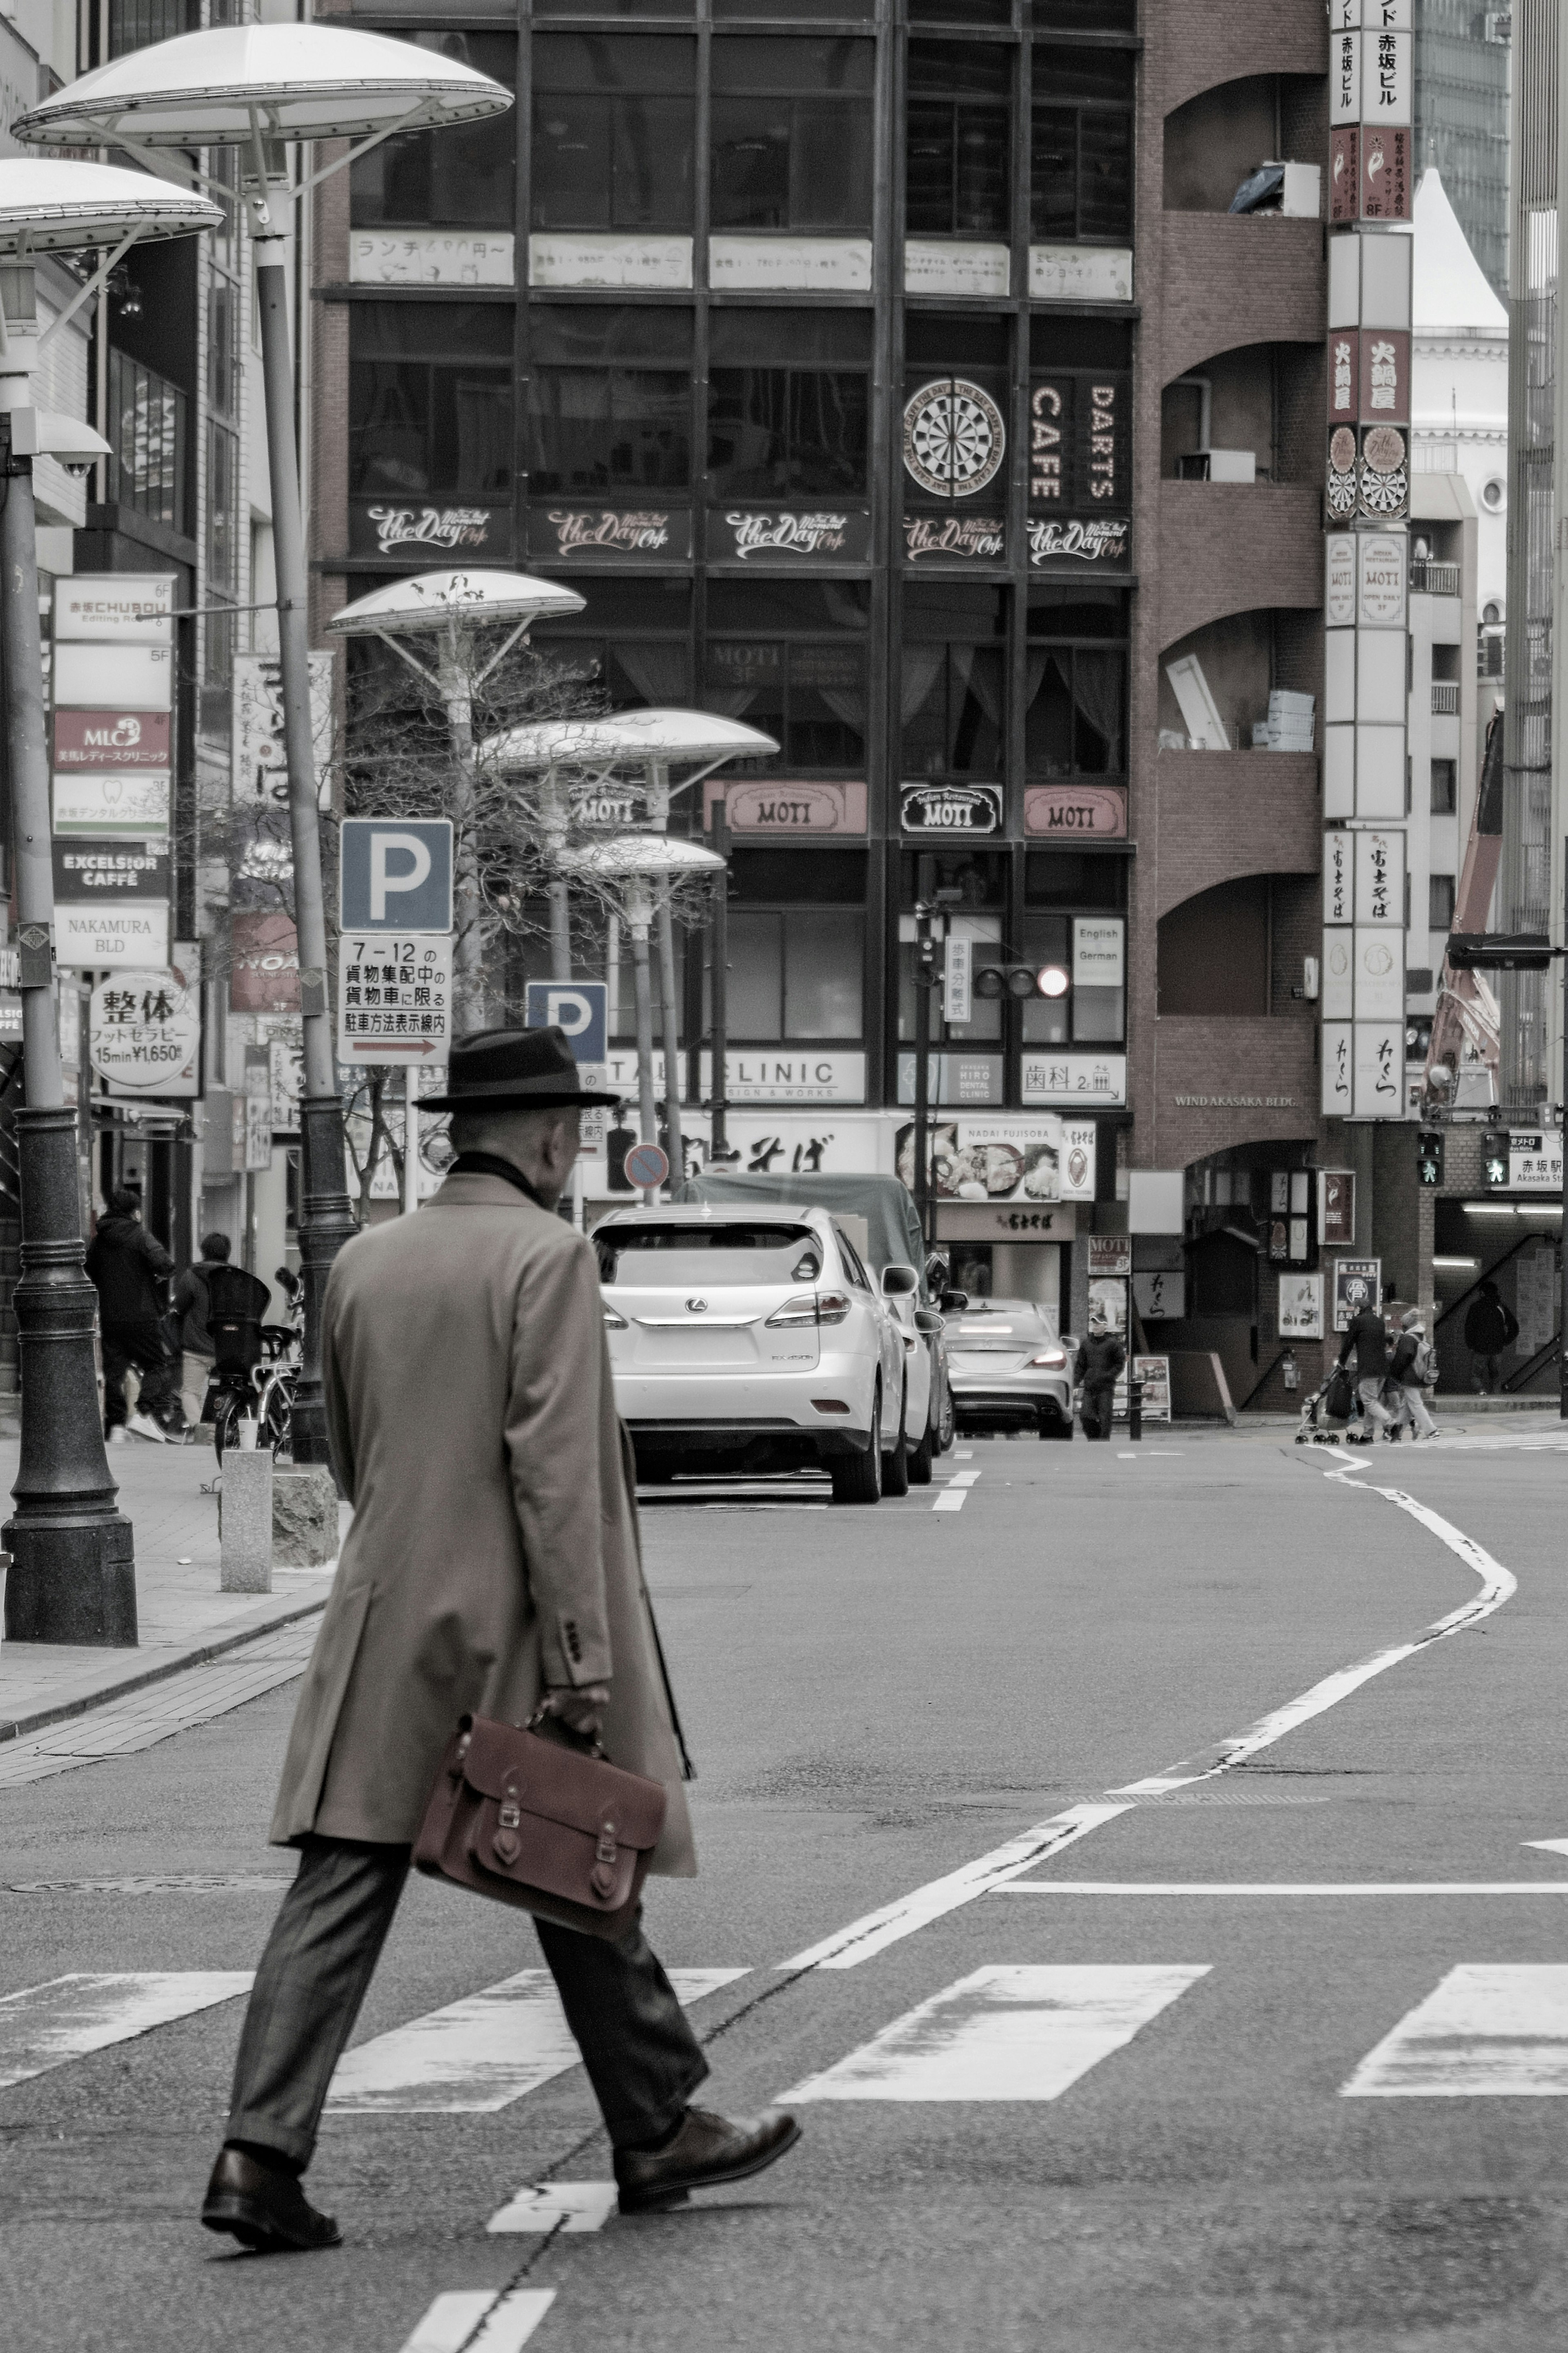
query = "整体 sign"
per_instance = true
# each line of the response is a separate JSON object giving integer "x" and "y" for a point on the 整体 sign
{"x": 580, "y": 1007}
{"x": 396, "y": 871}
{"x": 144, "y": 1029}
{"x": 394, "y": 998}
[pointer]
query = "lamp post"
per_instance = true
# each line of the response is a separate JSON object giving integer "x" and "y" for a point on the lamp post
{"x": 445, "y": 611}
{"x": 73, "y": 1572}
{"x": 643, "y": 865}
{"x": 261, "y": 88}
{"x": 654, "y": 742}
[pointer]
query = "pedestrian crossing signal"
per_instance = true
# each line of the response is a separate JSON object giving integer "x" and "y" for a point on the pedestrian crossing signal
{"x": 1429, "y": 1157}
{"x": 1494, "y": 1160}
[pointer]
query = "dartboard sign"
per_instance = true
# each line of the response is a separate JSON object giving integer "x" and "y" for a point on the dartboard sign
{"x": 955, "y": 439}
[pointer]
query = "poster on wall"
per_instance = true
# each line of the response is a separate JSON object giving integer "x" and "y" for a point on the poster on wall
{"x": 1006, "y": 1159}
{"x": 1358, "y": 1283}
{"x": 1301, "y": 1307}
{"x": 1108, "y": 1304}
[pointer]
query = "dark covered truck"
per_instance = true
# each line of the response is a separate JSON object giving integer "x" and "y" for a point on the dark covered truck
{"x": 878, "y": 1214}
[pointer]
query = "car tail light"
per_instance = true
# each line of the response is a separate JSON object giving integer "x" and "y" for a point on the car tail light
{"x": 613, "y": 1322}
{"x": 812, "y": 1307}
{"x": 1054, "y": 1357}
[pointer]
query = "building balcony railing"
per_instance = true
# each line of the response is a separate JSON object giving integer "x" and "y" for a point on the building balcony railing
{"x": 1236, "y": 547}
{"x": 147, "y": 425}
{"x": 1220, "y": 815}
{"x": 1434, "y": 579}
{"x": 1445, "y": 699}
{"x": 1230, "y": 279}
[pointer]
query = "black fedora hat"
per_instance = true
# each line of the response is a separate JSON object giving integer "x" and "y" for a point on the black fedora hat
{"x": 513, "y": 1070}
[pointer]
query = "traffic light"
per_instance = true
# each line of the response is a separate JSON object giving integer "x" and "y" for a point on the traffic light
{"x": 1429, "y": 1157}
{"x": 1494, "y": 1160}
{"x": 1020, "y": 980}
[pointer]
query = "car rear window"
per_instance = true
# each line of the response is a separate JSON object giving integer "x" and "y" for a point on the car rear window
{"x": 1020, "y": 1323}
{"x": 727, "y": 1253}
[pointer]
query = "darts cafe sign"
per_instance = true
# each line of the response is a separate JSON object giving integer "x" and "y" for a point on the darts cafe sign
{"x": 1079, "y": 489}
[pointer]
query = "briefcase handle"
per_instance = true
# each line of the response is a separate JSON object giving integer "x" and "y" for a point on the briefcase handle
{"x": 545, "y": 1714}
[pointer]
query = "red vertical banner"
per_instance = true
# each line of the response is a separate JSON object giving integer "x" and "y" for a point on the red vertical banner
{"x": 1344, "y": 374}
{"x": 1384, "y": 376}
{"x": 1345, "y": 173}
{"x": 1385, "y": 191}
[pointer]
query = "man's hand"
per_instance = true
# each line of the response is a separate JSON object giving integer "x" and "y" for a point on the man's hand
{"x": 579, "y": 1707}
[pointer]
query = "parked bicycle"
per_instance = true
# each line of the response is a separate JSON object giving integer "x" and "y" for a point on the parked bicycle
{"x": 256, "y": 1366}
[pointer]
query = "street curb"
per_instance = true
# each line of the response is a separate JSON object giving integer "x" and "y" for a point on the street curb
{"x": 197, "y": 1656}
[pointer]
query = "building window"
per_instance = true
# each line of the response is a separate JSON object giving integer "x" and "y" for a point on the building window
{"x": 789, "y": 144}
{"x": 796, "y": 946}
{"x": 461, "y": 177}
{"x": 953, "y": 682}
{"x": 1075, "y": 688}
{"x": 610, "y": 399}
{"x": 811, "y": 698}
{"x": 788, "y": 403}
{"x": 981, "y": 881}
{"x": 223, "y": 509}
{"x": 1445, "y": 787}
{"x": 137, "y": 23}
{"x": 959, "y": 120}
{"x": 1439, "y": 902}
{"x": 1085, "y": 16}
{"x": 147, "y": 427}
{"x": 1080, "y": 167}
{"x": 614, "y": 131}
{"x": 431, "y": 399}
{"x": 632, "y": 675}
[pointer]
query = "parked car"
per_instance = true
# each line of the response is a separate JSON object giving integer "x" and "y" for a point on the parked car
{"x": 755, "y": 1341}
{"x": 1009, "y": 1369}
{"x": 886, "y": 1231}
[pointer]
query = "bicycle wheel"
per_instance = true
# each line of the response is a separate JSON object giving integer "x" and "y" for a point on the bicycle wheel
{"x": 225, "y": 1413}
{"x": 278, "y": 1419}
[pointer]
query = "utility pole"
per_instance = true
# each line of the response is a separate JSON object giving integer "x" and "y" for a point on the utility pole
{"x": 1562, "y": 1147}
{"x": 925, "y": 981}
{"x": 719, "y": 994}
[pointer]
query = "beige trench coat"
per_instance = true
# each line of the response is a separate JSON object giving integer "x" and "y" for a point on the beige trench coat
{"x": 494, "y": 1544}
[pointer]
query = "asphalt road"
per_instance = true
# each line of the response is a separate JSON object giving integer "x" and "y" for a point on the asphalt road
{"x": 1121, "y": 2124}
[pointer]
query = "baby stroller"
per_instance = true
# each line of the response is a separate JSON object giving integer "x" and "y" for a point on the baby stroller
{"x": 1331, "y": 1410}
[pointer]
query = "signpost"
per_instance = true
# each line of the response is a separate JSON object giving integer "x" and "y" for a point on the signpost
{"x": 395, "y": 987}
{"x": 582, "y": 1009}
{"x": 647, "y": 1167}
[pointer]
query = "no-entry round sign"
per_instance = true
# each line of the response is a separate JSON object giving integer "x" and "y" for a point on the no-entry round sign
{"x": 646, "y": 1164}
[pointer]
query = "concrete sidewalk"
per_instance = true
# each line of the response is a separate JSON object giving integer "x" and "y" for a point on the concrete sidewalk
{"x": 184, "y": 1618}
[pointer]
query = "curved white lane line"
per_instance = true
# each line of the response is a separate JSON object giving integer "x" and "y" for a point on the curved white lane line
{"x": 847, "y": 1947}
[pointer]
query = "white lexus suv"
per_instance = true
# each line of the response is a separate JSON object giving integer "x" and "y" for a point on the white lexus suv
{"x": 748, "y": 1341}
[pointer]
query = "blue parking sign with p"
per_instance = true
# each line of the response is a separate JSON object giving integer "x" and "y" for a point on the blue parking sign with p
{"x": 581, "y": 1008}
{"x": 394, "y": 874}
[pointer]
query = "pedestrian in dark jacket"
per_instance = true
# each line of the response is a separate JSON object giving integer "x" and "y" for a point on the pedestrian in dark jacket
{"x": 1407, "y": 1372}
{"x": 128, "y": 1268}
{"x": 1367, "y": 1340}
{"x": 1100, "y": 1359}
{"x": 1491, "y": 1326}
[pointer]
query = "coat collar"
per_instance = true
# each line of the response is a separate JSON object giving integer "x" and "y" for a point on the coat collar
{"x": 471, "y": 1192}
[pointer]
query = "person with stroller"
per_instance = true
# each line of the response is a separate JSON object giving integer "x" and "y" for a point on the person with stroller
{"x": 1410, "y": 1369}
{"x": 1367, "y": 1340}
{"x": 211, "y": 1289}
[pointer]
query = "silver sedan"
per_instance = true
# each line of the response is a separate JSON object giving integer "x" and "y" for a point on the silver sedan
{"x": 1008, "y": 1369}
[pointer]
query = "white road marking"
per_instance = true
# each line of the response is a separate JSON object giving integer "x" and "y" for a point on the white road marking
{"x": 1548, "y": 1846}
{"x": 478, "y": 2054}
{"x": 1490, "y": 2030}
{"x": 1283, "y": 1887}
{"x": 1127, "y": 1458}
{"x": 510, "y": 2318}
{"x": 573, "y": 2206}
{"x": 963, "y": 1478}
{"x": 1005, "y": 2034}
{"x": 45, "y": 2025}
{"x": 849, "y": 1946}
{"x": 963, "y": 1454}
{"x": 948, "y": 1501}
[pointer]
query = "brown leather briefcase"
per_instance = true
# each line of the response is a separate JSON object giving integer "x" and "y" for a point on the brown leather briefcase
{"x": 557, "y": 1832}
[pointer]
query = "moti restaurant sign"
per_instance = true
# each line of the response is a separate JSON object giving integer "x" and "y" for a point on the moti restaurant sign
{"x": 841, "y": 535}
{"x": 1077, "y": 809}
{"x": 111, "y": 739}
{"x": 950, "y": 809}
{"x": 622, "y": 534}
{"x": 378, "y": 530}
{"x": 778, "y": 807}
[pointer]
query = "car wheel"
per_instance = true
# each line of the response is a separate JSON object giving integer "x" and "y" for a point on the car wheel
{"x": 921, "y": 1459}
{"x": 896, "y": 1464}
{"x": 857, "y": 1477}
{"x": 946, "y": 1428}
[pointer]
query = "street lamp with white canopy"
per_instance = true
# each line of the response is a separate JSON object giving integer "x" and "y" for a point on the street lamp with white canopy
{"x": 259, "y": 89}
{"x": 72, "y": 1576}
{"x": 655, "y": 741}
{"x": 450, "y": 610}
{"x": 639, "y": 868}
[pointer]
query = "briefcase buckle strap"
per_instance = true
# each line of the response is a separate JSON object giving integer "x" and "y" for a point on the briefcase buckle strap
{"x": 510, "y": 1816}
{"x": 605, "y": 1850}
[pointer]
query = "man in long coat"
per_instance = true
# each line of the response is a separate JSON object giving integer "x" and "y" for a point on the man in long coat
{"x": 492, "y": 1562}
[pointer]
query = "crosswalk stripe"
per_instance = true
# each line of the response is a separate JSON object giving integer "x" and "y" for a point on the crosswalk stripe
{"x": 1005, "y": 2034}
{"x": 45, "y": 2025}
{"x": 508, "y": 2317}
{"x": 479, "y": 2053}
{"x": 1490, "y": 2030}
{"x": 570, "y": 2206}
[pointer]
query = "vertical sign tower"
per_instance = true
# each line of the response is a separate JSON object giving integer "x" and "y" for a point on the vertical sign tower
{"x": 1366, "y": 658}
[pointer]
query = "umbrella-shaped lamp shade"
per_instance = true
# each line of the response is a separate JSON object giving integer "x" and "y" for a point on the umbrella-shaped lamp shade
{"x": 295, "y": 81}
{"x": 430, "y": 600}
{"x": 629, "y": 739}
{"x": 658, "y": 855}
{"x": 49, "y": 206}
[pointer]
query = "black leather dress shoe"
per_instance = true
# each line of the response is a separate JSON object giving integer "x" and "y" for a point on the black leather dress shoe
{"x": 264, "y": 2208}
{"x": 706, "y": 2151}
